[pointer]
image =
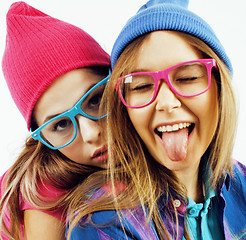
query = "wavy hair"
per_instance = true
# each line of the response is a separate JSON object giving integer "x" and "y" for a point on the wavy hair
{"x": 36, "y": 166}
{"x": 130, "y": 162}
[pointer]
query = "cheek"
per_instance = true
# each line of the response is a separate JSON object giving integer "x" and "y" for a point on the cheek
{"x": 69, "y": 153}
{"x": 141, "y": 119}
{"x": 206, "y": 108}
{"x": 75, "y": 151}
{"x": 211, "y": 108}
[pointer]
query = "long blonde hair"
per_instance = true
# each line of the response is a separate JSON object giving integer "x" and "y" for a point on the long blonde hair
{"x": 36, "y": 166}
{"x": 131, "y": 164}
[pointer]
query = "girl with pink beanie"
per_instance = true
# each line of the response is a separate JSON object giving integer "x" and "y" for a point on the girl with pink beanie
{"x": 56, "y": 74}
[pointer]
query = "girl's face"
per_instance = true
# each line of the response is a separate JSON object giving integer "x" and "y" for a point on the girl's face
{"x": 178, "y": 150}
{"x": 89, "y": 147}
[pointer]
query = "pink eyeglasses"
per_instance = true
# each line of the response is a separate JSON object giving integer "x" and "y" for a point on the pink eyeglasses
{"x": 187, "y": 79}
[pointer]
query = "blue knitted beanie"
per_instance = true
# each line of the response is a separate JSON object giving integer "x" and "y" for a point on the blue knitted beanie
{"x": 167, "y": 15}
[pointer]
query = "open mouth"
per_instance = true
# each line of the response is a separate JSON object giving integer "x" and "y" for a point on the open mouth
{"x": 173, "y": 128}
{"x": 175, "y": 139}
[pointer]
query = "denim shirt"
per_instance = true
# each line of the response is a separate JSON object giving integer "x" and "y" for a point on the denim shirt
{"x": 202, "y": 219}
{"x": 232, "y": 214}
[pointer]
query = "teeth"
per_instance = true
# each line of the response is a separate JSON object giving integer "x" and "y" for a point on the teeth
{"x": 171, "y": 128}
{"x": 175, "y": 127}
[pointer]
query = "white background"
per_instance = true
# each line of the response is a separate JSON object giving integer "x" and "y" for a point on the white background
{"x": 103, "y": 19}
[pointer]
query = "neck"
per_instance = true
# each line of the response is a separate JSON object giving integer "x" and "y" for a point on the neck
{"x": 193, "y": 183}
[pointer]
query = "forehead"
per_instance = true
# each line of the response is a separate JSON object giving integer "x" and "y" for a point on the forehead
{"x": 163, "y": 49}
{"x": 64, "y": 92}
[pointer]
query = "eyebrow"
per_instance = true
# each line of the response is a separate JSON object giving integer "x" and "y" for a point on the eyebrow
{"x": 141, "y": 70}
{"x": 50, "y": 117}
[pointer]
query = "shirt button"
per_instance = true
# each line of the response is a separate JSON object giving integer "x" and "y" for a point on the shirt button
{"x": 192, "y": 211}
{"x": 176, "y": 203}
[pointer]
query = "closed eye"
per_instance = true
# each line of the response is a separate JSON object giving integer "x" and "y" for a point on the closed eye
{"x": 186, "y": 79}
{"x": 142, "y": 87}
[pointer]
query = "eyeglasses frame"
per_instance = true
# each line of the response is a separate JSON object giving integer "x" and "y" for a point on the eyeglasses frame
{"x": 164, "y": 75}
{"x": 71, "y": 113}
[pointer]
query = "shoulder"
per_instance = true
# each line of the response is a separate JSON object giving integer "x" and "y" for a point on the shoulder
{"x": 234, "y": 189}
{"x": 234, "y": 195}
{"x": 3, "y": 179}
{"x": 99, "y": 225}
{"x": 37, "y": 222}
{"x": 127, "y": 223}
{"x": 108, "y": 225}
{"x": 48, "y": 194}
{"x": 239, "y": 168}
{"x": 239, "y": 174}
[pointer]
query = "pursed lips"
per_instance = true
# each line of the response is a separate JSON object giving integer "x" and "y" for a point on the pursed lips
{"x": 99, "y": 152}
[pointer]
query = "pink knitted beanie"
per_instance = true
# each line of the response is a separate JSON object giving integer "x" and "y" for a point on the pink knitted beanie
{"x": 40, "y": 48}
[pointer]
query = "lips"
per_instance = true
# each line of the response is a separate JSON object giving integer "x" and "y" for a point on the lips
{"x": 100, "y": 154}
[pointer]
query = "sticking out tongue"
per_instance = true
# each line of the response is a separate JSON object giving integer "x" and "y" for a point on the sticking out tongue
{"x": 176, "y": 144}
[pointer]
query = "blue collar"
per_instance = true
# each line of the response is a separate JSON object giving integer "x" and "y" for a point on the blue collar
{"x": 209, "y": 193}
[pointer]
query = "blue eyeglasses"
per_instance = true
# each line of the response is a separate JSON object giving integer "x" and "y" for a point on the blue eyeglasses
{"x": 61, "y": 130}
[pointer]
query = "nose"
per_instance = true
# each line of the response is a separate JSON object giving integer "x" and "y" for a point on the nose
{"x": 166, "y": 99}
{"x": 90, "y": 130}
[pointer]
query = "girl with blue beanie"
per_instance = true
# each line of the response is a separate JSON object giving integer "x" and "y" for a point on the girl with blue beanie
{"x": 171, "y": 131}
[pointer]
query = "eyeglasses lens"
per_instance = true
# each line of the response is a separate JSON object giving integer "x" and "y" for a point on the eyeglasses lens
{"x": 62, "y": 130}
{"x": 187, "y": 80}
{"x": 58, "y": 132}
{"x": 91, "y": 104}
